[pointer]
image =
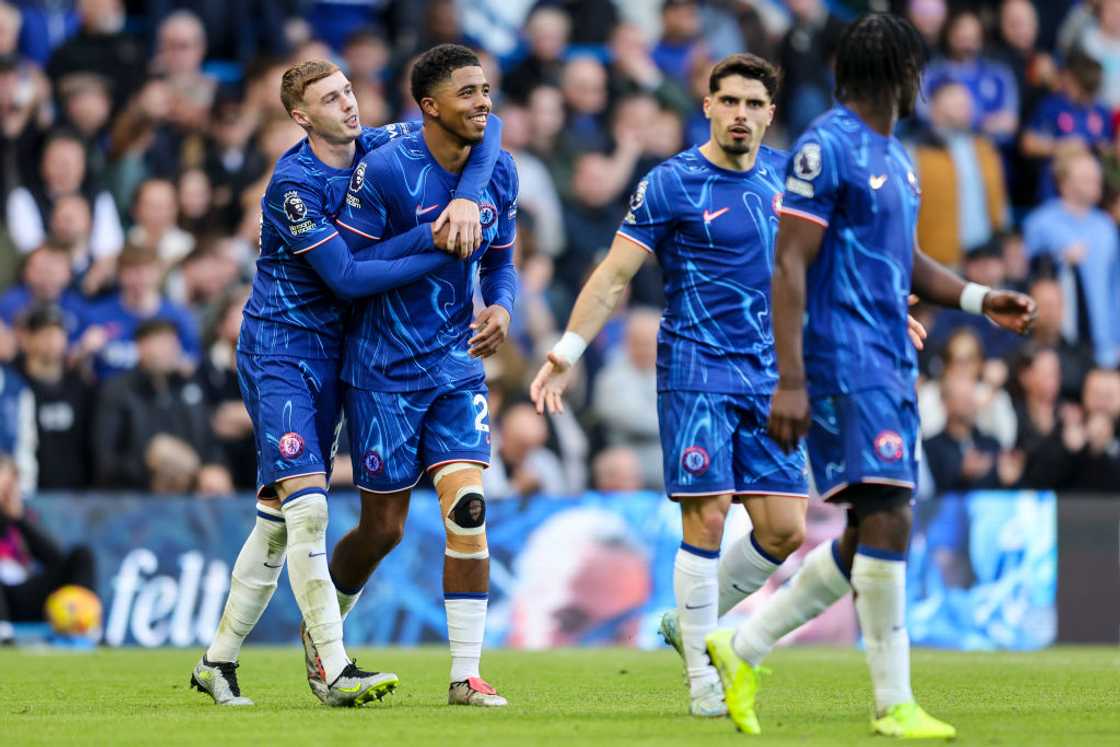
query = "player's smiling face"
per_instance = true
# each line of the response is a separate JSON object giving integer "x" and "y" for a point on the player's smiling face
{"x": 330, "y": 110}
{"x": 740, "y": 111}
{"x": 462, "y": 103}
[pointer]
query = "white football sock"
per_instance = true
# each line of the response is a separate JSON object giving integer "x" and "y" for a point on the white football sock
{"x": 696, "y": 586}
{"x": 879, "y": 580}
{"x": 817, "y": 585}
{"x": 306, "y": 514}
{"x": 466, "y": 627}
{"x": 346, "y": 601}
{"x": 252, "y": 583}
{"x": 743, "y": 569}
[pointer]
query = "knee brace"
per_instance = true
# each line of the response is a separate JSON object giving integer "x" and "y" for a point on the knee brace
{"x": 459, "y": 486}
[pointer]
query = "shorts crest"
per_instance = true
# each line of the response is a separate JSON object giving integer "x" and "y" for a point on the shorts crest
{"x": 372, "y": 463}
{"x": 290, "y": 445}
{"x": 888, "y": 446}
{"x": 695, "y": 460}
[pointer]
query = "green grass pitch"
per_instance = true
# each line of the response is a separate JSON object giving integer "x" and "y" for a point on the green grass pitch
{"x": 815, "y": 696}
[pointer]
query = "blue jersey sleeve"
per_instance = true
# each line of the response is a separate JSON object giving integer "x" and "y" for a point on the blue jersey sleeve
{"x": 496, "y": 273}
{"x": 295, "y": 210}
{"x": 364, "y": 215}
{"x": 813, "y": 180}
{"x": 651, "y": 216}
{"x": 480, "y": 166}
{"x": 389, "y": 264}
{"x": 373, "y": 138}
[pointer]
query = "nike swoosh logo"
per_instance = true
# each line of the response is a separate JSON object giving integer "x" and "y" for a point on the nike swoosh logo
{"x": 709, "y": 217}
{"x": 877, "y": 181}
{"x": 430, "y": 208}
{"x": 697, "y": 607}
{"x": 269, "y": 565}
{"x": 353, "y": 689}
{"x": 316, "y": 554}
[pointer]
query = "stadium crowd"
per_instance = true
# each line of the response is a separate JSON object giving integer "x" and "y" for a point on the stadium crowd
{"x": 136, "y": 139}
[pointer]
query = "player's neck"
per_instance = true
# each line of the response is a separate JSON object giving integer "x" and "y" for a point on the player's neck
{"x": 730, "y": 161}
{"x": 449, "y": 151}
{"x": 880, "y": 119}
{"x": 335, "y": 155}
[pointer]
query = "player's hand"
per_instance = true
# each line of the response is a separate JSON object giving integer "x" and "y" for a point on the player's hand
{"x": 917, "y": 332}
{"x": 465, "y": 227}
{"x": 490, "y": 329}
{"x": 547, "y": 389}
{"x": 1010, "y": 310}
{"x": 789, "y": 416}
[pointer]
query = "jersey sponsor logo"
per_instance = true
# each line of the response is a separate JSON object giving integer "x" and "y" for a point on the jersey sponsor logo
{"x": 423, "y": 210}
{"x": 798, "y": 187}
{"x": 372, "y": 463}
{"x": 877, "y": 182}
{"x": 294, "y": 207}
{"x": 301, "y": 228}
{"x": 710, "y": 216}
{"x": 358, "y": 178}
{"x": 695, "y": 460}
{"x": 487, "y": 214}
{"x": 807, "y": 162}
{"x": 888, "y": 446}
{"x": 639, "y": 197}
{"x": 353, "y": 201}
{"x": 290, "y": 445}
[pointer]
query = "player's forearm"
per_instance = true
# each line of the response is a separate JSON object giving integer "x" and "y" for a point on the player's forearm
{"x": 598, "y": 300}
{"x": 787, "y": 293}
{"x": 934, "y": 282}
{"x": 480, "y": 165}
{"x": 497, "y": 279}
{"x": 351, "y": 280}
{"x": 416, "y": 240}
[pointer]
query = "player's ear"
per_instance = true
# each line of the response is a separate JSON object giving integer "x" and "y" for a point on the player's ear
{"x": 707, "y": 107}
{"x": 429, "y": 106}
{"x": 300, "y": 118}
{"x": 770, "y": 119}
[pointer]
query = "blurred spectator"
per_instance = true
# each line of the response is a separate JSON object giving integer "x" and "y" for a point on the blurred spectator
{"x": 928, "y": 17}
{"x": 62, "y": 172}
{"x": 1098, "y": 465}
{"x": 1101, "y": 41}
{"x": 237, "y": 31}
{"x": 1076, "y": 358}
{"x": 86, "y": 106}
{"x": 617, "y": 469}
{"x": 202, "y": 282}
{"x": 547, "y": 31}
{"x": 633, "y": 70}
{"x": 805, "y": 57}
{"x": 963, "y": 199}
{"x": 22, "y": 125}
{"x": 538, "y": 193}
{"x": 595, "y": 19}
{"x": 155, "y": 212}
{"x": 46, "y": 280}
{"x": 366, "y": 54}
{"x": 112, "y": 323}
{"x": 102, "y": 46}
{"x": 63, "y": 402}
{"x": 1017, "y": 47}
{"x": 230, "y": 421}
{"x": 994, "y": 413}
{"x": 521, "y": 464}
{"x": 995, "y": 97}
{"x": 151, "y": 426}
{"x": 680, "y": 38}
{"x": 584, "y": 83}
{"x": 625, "y": 394}
{"x": 180, "y": 50}
{"x": 1079, "y": 241}
{"x": 1048, "y": 436}
{"x": 230, "y": 163}
{"x": 960, "y": 457}
{"x": 32, "y": 565}
{"x": 1072, "y": 114}
{"x": 591, "y": 217}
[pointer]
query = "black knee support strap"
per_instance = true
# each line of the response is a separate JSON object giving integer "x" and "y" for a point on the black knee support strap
{"x": 469, "y": 511}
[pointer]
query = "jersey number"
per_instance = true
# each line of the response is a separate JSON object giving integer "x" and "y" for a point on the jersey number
{"x": 483, "y": 411}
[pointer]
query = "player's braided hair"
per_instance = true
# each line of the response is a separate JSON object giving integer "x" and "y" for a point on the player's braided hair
{"x": 879, "y": 59}
{"x": 436, "y": 65}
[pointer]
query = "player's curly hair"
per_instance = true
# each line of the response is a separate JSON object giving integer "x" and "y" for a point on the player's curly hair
{"x": 879, "y": 59}
{"x": 436, "y": 65}
{"x": 751, "y": 67}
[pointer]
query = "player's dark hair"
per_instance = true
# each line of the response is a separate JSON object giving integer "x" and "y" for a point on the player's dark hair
{"x": 879, "y": 59}
{"x": 436, "y": 65}
{"x": 751, "y": 67}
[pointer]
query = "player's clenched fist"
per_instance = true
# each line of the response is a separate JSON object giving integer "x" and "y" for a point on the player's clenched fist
{"x": 547, "y": 389}
{"x": 1011, "y": 310}
{"x": 490, "y": 329}
{"x": 789, "y": 416}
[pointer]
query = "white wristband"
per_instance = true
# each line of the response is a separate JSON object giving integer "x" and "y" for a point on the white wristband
{"x": 972, "y": 298}
{"x": 570, "y": 347}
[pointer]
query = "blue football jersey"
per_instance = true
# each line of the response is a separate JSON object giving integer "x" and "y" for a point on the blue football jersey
{"x": 291, "y": 311}
{"x": 713, "y": 232}
{"x": 862, "y": 187}
{"x": 414, "y": 338}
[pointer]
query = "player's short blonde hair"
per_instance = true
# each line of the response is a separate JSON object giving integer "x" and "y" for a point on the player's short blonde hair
{"x": 298, "y": 77}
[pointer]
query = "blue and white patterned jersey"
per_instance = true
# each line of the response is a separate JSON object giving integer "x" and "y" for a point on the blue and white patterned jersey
{"x": 291, "y": 311}
{"x": 713, "y": 232}
{"x": 414, "y": 338}
{"x": 862, "y": 187}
